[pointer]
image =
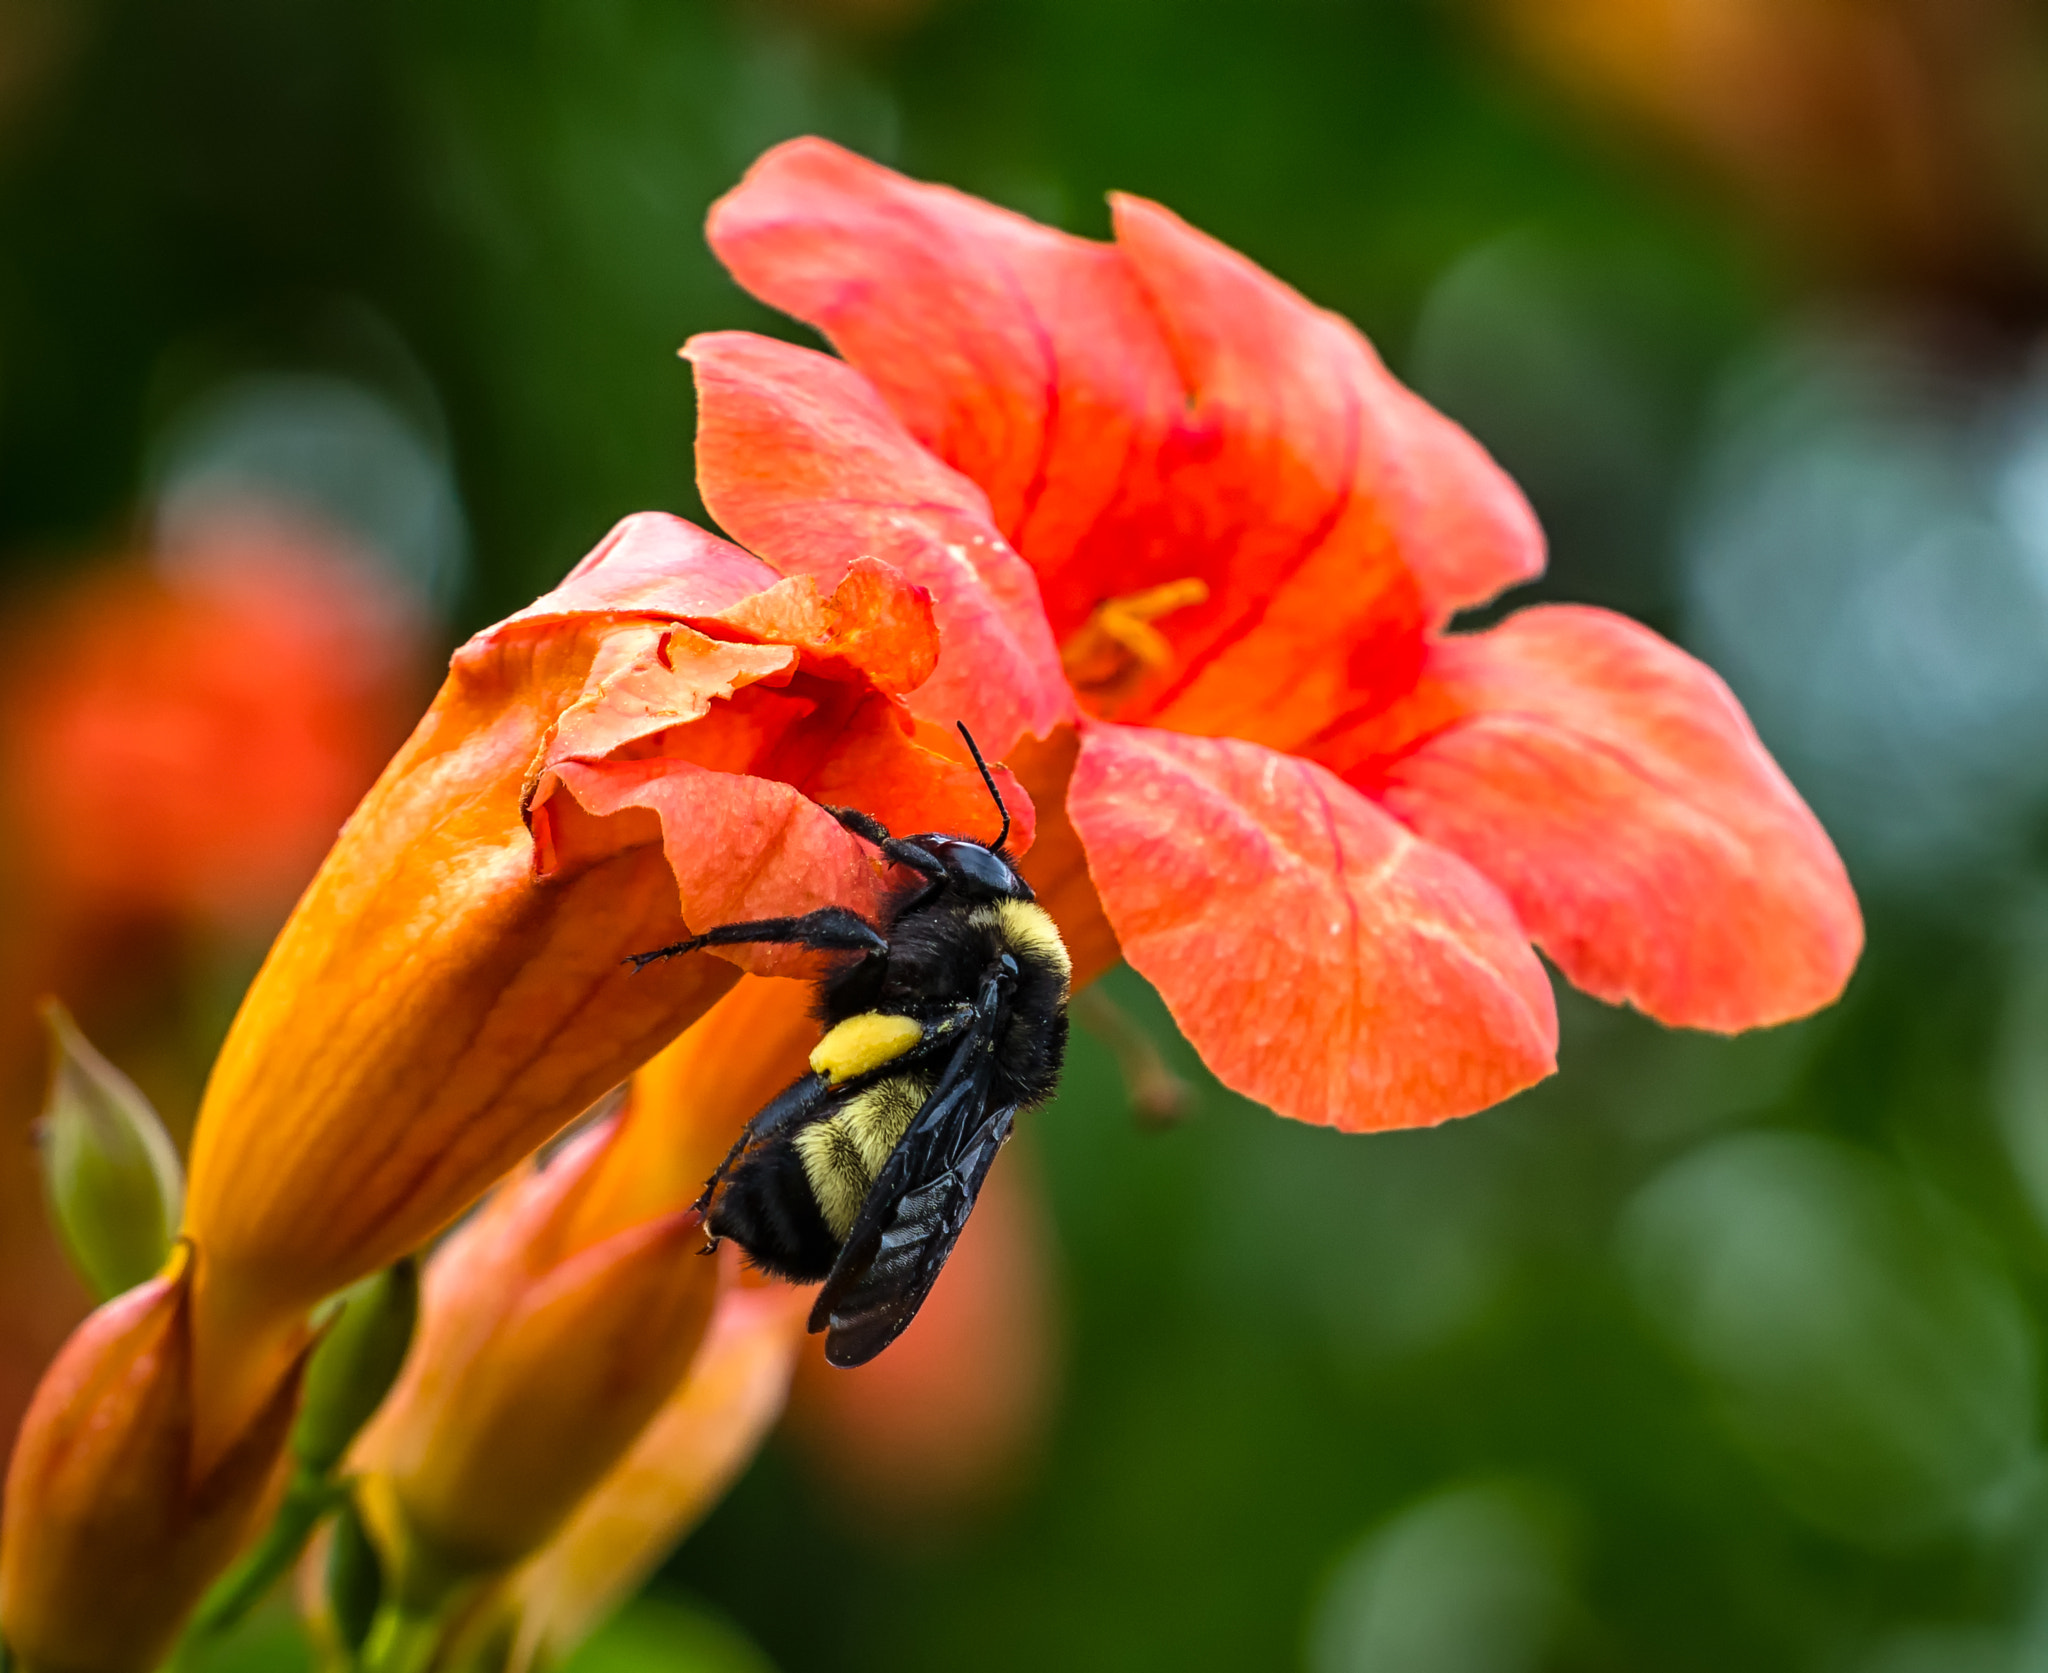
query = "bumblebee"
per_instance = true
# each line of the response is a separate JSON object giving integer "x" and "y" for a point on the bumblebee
{"x": 945, "y": 1019}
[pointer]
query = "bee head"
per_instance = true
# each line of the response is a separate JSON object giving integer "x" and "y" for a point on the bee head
{"x": 977, "y": 871}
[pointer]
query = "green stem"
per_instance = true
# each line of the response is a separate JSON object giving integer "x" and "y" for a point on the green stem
{"x": 402, "y": 1642}
{"x": 306, "y": 1501}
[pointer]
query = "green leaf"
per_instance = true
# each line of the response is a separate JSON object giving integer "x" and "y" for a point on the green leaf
{"x": 115, "y": 1184}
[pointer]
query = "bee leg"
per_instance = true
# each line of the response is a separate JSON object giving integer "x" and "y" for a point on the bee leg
{"x": 920, "y": 860}
{"x": 830, "y": 929}
{"x": 794, "y": 1101}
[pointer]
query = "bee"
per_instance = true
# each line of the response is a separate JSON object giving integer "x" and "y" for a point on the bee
{"x": 944, "y": 1020}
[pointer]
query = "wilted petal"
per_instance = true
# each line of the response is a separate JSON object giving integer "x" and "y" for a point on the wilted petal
{"x": 1323, "y": 959}
{"x": 1615, "y": 791}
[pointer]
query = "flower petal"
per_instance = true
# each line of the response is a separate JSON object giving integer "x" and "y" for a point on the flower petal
{"x": 1157, "y": 412}
{"x": 876, "y": 624}
{"x": 1615, "y": 791}
{"x": 1322, "y": 959}
{"x": 766, "y": 802}
{"x": 650, "y": 564}
{"x": 1025, "y": 358}
{"x": 1285, "y": 377}
{"x": 798, "y": 457}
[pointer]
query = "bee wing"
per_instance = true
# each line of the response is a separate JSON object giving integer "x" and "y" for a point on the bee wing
{"x": 916, "y": 1209}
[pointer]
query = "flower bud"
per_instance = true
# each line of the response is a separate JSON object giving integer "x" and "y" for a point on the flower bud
{"x": 355, "y": 1364}
{"x": 542, "y": 1352}
{"x": 687, "y": 1107}
{"x": 115, "y": 1184}
{"x": 681, "y": 1465}
{"x": 111, "y": 1535}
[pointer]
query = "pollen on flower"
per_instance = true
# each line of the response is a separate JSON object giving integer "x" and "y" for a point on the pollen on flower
{"x": 1117, "y": 646}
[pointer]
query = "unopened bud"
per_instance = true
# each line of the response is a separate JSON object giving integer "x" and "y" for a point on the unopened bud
{"x": 111, "y": 1532}
{"x": 114, "y": 1181}
{"x": 540, "y": 1357}
{"x": 356, "y": 1363}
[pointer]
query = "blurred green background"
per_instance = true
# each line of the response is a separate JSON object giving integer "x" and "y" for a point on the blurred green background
{"x": 1705, "y": 1354}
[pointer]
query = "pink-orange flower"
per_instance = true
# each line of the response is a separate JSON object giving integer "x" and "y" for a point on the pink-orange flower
{"x": 1195, "y": 516}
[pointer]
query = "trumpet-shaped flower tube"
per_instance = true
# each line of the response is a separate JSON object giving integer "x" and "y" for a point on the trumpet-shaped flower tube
{"x": 1327, "y": 829}
{"x": 112, "y": 1532}
{"x": 637, "y": 756}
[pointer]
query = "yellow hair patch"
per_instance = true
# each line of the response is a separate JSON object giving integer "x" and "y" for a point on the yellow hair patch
{"x": 864, "y": 1042}
{"x": 1028, "y": 928}
{"x": 842, "y": 1154}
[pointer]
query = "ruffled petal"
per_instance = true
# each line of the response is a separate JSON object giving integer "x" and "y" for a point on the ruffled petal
{"x": 734, "y": 788}
{"x": 1615, "y": 791}
{"x": 1025, "y": 358}
{"x": 650, "y": 564}
{"x": 1322, "y": 959}
{"x": 1151, "y": 415}
{"x": 799, "y": 457}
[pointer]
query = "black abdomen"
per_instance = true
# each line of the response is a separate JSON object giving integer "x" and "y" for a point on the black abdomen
{"x": 768, "y": 1209}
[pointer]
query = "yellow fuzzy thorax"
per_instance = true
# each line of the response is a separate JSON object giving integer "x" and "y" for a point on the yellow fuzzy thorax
{"x": 862, "y": 1043}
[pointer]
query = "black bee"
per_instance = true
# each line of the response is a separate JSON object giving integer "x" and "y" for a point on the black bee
{"x": 949, "y": 1017}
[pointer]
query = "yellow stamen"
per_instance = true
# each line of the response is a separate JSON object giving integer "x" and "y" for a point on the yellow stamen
{"x": 1118, "y": 645}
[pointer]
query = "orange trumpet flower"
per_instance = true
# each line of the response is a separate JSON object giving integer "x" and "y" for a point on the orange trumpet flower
{"x": 636, "y": 756}
{"x": 1323, "y": 826}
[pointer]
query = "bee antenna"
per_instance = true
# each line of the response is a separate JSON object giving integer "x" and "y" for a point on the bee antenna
{"x": 989, "y": 779}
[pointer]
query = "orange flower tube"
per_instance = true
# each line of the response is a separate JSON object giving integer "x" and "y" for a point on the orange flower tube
{"x": 636, "y": 756}
{"x": 111, "y": 1532}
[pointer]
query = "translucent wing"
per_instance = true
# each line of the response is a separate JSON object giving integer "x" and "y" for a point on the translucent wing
{"x": 920, "y": 1201}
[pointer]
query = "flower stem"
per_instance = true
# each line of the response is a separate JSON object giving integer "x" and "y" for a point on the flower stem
{"x": 401, "y": 1641}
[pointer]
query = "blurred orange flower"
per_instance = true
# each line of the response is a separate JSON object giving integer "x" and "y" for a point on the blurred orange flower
{"x": 195, "y": 739}
{"x": 1323, "y": 827}
{"x": 179, "y": 741}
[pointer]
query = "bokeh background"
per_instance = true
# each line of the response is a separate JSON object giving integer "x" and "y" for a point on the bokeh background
{"x": 332, "y": 329}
